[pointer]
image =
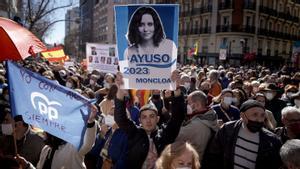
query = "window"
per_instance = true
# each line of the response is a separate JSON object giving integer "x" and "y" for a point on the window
{"x": 248, "y": 21}
{"x": 225, "y": 20}
{"x": 206, "y": 23}
{"x": 262, "y": 24}
{"x": 270, "y": 26}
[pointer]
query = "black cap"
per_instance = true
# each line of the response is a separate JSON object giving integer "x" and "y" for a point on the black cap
{"x": 250, "y": 104}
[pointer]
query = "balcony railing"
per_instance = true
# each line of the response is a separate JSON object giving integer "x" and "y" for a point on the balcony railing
{"x": 195, "y": 31}
{"x": 226, "y": 5}
{"x": 203, "y": 9}
{"x": 224, "y": 28}
{"x": 268, "y": 11}
{"x": 205, "y": 30}
{"x": 279, "y": 35}
{"x": 249, "y": 29}
{"x": 296, "y": 1}
{"x": 250, "y": 5}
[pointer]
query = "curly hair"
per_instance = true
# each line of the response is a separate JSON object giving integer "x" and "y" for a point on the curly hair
{"x": 133, "y": 36}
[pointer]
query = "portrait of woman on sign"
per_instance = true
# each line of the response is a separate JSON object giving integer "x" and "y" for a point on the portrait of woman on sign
{"x": 146, "y": 34}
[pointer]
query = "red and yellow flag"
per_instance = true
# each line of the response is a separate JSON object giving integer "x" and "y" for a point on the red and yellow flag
{"x": 55, "y": 54}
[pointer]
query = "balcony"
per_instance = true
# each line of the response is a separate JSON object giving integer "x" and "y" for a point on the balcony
{"x": 225, "y": 5}
{"x": 205, "y": 30}
{"x": 203, "y": 9}
{"x": 195, "y": 31}
{"x": 249, "y": 29}
{"x": 206, "y": 9}
{"x": 296, "y": 1}
{"x": 196, "y": 11}
{"x": 295, "y": 19}
{"x": 268, "y": 11}
{"x": 250, "y": 5}
{"x": 224, "y": 28}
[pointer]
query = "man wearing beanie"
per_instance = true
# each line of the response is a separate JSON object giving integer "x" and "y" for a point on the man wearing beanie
{"x": 244, "y": 143}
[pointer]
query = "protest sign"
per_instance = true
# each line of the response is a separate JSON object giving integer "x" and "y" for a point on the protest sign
{"x": 222, "y": 54}
{"x": 147, "y": 45}
{"x": 103, "y": 57}
{"x": 43, "y": 103}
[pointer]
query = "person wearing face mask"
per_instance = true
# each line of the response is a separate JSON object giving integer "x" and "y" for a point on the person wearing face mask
{"x": 225, "y": 110}
{"x": 289, "y": 91}
{"x": 178, "y": 155}
{"x": 29, "y": 143}
{"x": 6, "y": 133}
{"x": 72, "y": 82}
{"x": 93, "y": 83}
{"x": 201, "y": 123}
{"x": 185, "y": 83}
{"x": 273, "y": 103}
{"x": 244, "y": 143}
{"x": 291, "y": 121}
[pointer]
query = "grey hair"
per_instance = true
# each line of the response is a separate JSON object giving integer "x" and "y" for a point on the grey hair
{"x": 198, "y": 96}
{"x": 288, "y": 110}
{"x": 290, "y": 153}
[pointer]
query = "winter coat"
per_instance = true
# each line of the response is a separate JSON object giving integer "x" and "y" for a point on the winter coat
{"x": 220, "y": 154}
{"x": 67, "y": 156}
{"x": 198, "y": 130}
{"x": 138, "y": 141}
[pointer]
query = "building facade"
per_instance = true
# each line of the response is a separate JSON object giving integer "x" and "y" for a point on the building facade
{"x": 264, "y": 28}
{"x": 72, "y": 32}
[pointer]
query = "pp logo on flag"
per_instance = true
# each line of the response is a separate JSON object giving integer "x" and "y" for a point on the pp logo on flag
{"x": 45, "y": 107}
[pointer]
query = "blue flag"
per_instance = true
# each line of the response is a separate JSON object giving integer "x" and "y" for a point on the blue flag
{"x": 45, "y": 104}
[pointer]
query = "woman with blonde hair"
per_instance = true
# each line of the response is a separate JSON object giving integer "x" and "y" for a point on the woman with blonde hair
{"x": 178, "y": 155}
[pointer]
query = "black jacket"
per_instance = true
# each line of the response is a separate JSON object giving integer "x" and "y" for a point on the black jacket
{"x": 138, "y": 142}
{"x": 220, "y": 153}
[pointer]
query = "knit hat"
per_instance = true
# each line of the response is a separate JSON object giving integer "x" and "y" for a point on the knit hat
{"x": 250, "y": 104}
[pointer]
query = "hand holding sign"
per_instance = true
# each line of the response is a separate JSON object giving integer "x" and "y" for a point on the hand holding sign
{"x": 175, "y": 77}
{"x": 119, "y": 82}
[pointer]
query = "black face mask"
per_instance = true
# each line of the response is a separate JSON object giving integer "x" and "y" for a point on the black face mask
{"x": 254, "y": 126}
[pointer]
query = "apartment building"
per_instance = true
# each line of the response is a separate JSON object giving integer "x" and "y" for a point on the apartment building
{"x": 265, "y": 28}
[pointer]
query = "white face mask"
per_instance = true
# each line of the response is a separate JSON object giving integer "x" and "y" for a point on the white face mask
{"x": 92, "y": 82}
{"x": 187, "y": 85}
{"x": 228, "y": 100}
{"x": 269, "y": 96}
{"x": 289, "y": 94}
{"x": 189, "y": 109}
{"x": 69, "y": 85}
{"x": 106, "y": 85}
{"x": 7, "y": 129}
{"x": 297, "y": 102}
{"x": 109, "y": 120}
{"x": 183, "y": 168}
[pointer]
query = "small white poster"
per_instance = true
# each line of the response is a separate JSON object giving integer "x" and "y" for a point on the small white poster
{"x": 102, "y": 57}
{"x": 222, "y": 55}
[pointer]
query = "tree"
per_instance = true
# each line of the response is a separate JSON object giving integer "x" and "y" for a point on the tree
{"x": 38, "y": 15}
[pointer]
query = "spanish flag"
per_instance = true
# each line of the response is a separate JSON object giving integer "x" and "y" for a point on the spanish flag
{"x": 142, "y": 96}
{"x": 196, "y": 48}
{"x": 55, "y": 54}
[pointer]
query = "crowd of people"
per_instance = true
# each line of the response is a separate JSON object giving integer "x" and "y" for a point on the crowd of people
{"x": 218, "y": 117}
